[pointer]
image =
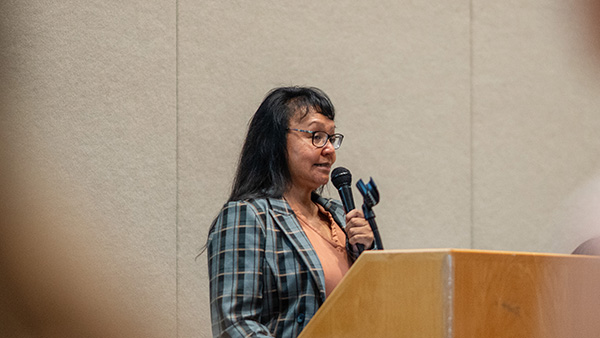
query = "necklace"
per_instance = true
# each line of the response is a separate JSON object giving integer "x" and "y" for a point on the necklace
{"x": 326, "y": 230}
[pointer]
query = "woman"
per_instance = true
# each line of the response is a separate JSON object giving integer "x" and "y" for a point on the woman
{"x": 277, "y": 248}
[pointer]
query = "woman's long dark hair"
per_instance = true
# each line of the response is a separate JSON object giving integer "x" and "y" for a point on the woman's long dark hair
{"x": 262, "y": 168}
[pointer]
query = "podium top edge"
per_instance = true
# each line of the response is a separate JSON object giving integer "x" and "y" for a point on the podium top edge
{"x": 473, "y": 251}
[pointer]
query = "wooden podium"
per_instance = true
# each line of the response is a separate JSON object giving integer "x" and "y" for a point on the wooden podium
{"x": 463, "y": 293}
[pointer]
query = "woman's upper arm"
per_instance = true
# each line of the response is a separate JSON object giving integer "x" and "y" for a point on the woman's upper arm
{"x": 235, "y": 258}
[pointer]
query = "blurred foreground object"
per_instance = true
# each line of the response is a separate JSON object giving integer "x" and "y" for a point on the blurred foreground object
{"x": 54, "y": 280}
{"x": 590, "y": 247}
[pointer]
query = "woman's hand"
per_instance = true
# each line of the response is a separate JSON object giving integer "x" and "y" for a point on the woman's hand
{"x": 358, "y": 229}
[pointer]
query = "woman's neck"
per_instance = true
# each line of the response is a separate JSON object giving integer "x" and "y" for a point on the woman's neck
{"x": 301, "y": 201}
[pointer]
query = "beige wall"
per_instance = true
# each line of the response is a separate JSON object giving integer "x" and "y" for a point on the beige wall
{"x": 477, "y": 119}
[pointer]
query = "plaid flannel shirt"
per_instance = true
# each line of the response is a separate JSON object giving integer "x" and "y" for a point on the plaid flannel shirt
{"x": 265, "y": 277}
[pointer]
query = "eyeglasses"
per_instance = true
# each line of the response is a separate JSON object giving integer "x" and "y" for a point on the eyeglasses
{"x": 320, "y": 138}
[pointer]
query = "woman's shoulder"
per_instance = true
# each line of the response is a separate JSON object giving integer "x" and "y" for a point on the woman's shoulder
{"x": 258, "y": 202}
{"x": 257, "y": 205}
{"x": 245, "y": 211}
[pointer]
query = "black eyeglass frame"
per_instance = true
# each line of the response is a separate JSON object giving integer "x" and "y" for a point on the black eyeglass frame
{"x": 330, "y": 138}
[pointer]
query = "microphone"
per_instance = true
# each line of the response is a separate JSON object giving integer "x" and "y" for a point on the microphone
{"x": 342, "y": 179}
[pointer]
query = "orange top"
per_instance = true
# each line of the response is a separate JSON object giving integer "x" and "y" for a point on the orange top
{"x": 331, "y": 249}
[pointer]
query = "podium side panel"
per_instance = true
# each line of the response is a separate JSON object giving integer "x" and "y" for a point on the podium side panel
{"x": 526, "y": 295}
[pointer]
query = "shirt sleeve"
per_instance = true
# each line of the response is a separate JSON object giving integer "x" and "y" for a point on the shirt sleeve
{"x": 235, "y": 263}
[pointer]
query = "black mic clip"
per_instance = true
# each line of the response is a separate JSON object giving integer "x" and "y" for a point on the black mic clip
{"x": 369, "y": 192}
{"x": 371, "y": 198}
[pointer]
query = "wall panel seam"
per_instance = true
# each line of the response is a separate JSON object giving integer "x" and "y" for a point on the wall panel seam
{"x": 471, "y": 126}
{"x": 177, "y": 191}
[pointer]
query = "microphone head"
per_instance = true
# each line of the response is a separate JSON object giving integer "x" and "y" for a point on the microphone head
{"x": 341, "y": 176}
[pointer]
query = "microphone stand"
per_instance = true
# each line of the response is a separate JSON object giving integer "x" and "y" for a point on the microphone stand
{"x": 371, "y": 198}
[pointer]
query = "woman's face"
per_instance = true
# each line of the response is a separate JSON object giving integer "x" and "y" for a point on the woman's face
{"x": 309, "y": 166}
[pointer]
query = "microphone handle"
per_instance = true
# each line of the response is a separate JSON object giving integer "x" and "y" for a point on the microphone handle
{"x": 360, "y": 248}
{"x": 348, "y": 202}
{"x": 346, "y": 197}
